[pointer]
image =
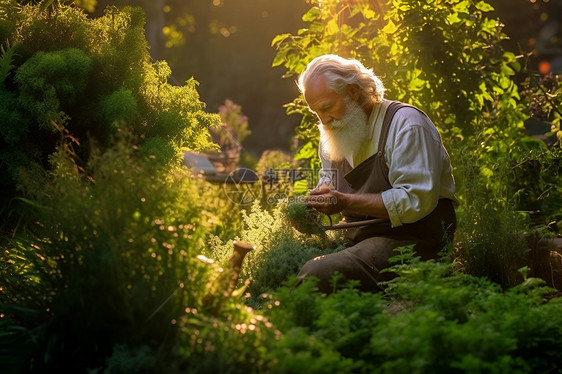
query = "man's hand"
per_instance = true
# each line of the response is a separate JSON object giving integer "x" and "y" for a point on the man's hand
{"x": 326, "y": 200}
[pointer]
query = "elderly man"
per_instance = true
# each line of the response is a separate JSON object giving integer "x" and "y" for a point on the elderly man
{"x": 380, "y": 159}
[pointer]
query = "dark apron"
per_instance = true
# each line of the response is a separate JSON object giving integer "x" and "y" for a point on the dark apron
{"x": 371, "y": 176}
{"x": 371, "y": 246}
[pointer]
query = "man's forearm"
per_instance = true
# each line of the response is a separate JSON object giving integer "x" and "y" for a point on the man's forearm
{"x": 365, "y": 204}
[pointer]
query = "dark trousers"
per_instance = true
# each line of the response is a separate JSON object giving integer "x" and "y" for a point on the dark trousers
{"x": 371, "y": 247}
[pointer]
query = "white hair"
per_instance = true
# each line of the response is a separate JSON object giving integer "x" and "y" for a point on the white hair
{"x": 340, "y": 73}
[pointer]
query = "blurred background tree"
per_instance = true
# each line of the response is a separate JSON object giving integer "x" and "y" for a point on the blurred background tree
{"x": 226, "y": 45}
{"x": 533, "y": 26}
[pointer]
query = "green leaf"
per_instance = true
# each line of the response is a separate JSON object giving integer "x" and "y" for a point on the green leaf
{"x": 280, "y": 58}
{"x": 332, "y": 27}
{"x": 508, "y": 56}
{"x": 462, "y": 7}
{"x": 6, "y": 65}
{"x": 45, "y": 4}
{"x": 486, "y": 172}
{"x": 369, "y": 13}
{"x": 390, "y": 28}
{"x": 484, "y": 7}
{"x": 307, "y": 151}
{"x": 416, "y": 84}
{"x": 300, "y": 187}
{"x": 489, "y": 131}
{"x": 279, "y": 39}
{"x": 505, "y": 82}
{"x": 515, "y": 65}
{"x": 453, "y": 18}
{"x": 311, "y": 15}
{"x": 507, "y": 70}
{"x": 32, "y": 203}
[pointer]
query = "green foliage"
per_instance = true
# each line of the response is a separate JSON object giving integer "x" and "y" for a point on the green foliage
{"x": 119, "y": 106}
{"x": 304, "y": 219}
{"x": 280, "y": 250}
{"x": 537, "y": 186}
{"x": 126, "y": 360}
{"x": 113, "y": 276}
{"x": 273, "y": 159}
{"x": 543, "y": 97}
{"x": 444, "y": 57}
{"x": 491, "y": 234}
{"x": 537, "y": 173}
{"x": 112, "y": 259}
{"x": 432, "y": 318}
{"x": 50, "y": 81}
{"x": 86, "y": 78}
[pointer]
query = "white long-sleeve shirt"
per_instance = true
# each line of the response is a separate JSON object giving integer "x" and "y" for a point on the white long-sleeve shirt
{"x": 419, "y": 166}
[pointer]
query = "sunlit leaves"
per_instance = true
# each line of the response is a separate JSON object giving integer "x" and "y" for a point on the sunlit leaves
{"x": 425, "y": 52}
{"x": 332, "y": 27}
{"x": 484, "y": 7}
{"x": 390, "y": 28}
{"x": 416, "y": 83}
{"x": 453, "y": 18}
{"x": 461, "y": 7}
{"x": 312, "y": 15}
{"x": 445, "y": 57}
{"x": 279, "y": 39}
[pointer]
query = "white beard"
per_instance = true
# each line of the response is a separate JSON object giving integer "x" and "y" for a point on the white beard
{"x": 343, "y": 137}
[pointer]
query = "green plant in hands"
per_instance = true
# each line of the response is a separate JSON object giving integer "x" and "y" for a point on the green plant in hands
{"x": 304, "y": 219}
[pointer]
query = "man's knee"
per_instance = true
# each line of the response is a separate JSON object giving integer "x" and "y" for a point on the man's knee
{"x": 319, "y": 268}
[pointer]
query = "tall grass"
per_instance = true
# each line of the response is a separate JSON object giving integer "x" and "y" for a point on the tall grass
{"x": 111, "y": 259}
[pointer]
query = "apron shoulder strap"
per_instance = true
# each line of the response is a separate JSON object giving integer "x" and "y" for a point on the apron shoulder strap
{"x": 388, "y": 116}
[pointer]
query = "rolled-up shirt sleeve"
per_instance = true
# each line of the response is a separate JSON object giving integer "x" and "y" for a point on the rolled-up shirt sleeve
{"x": 324, "y": 178}
{"x": 325, "y": 175}
{"x": 415, "y": 174}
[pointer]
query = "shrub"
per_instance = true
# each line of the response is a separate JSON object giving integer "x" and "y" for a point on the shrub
{"x": 432, "y": 318}
{"x": 280, "y": 250}
{"x": 64, "y": 74}
{"x": 111, "y": 260}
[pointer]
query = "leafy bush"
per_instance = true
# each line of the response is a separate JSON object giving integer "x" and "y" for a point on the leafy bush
{"x": 65, "y": 74}
{"x": 279, "y": 250}
{"x": 111, "y": 260}
{"x": 50, "y": 81}
{"x": 432, "y": 318}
